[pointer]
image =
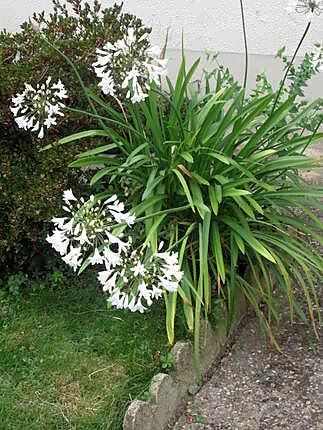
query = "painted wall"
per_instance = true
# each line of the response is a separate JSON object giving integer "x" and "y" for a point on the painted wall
{"x": 207, "y": 24}
{"x": 213, "y": 25}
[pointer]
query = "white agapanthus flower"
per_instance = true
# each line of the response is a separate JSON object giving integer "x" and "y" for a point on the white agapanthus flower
{"x": 117, "y": 210}
{"x": 38, "y": 108}
{"x": 88, "y": 234}
{"x": 87, "y": 231}
{"x": 135, "y": 282}
{"x": 306, "y": 7}
{"x": 129, "y": 65}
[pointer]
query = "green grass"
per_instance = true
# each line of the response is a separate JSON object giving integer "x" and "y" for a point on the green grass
{"x": 66, "y": 362}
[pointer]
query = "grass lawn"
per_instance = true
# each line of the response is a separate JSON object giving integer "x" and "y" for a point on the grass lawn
{"x": 66, "y": 362}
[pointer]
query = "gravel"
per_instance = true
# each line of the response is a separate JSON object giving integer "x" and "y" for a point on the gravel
{"x": 257, "y": 388}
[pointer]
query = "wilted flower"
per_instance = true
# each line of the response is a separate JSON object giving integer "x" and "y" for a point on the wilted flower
{"x": 87, "y": 231}
{"x": 130, "y": 64}
{"x": 136, "y": 281}
{"x": 36, "y": 108}
{"x": 317, "y": 57}
{"x": 307, "y": 7}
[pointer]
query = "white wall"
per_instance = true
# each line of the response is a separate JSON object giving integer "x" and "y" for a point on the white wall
{"x": 216, "y": 24}
{"x": 207, "y": 24}
{"x": 213, "y": 25}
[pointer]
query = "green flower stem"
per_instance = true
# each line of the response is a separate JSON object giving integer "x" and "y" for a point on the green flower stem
{"x": 166, "y": 211}
{"x": 245, "y": 79}
{"x": 175, "y": 244}
{"x": 313, "y": 135}
{"x": 143, "y": 218}
{"x": 289, "y": 67}
{"x": 70, "y": 62}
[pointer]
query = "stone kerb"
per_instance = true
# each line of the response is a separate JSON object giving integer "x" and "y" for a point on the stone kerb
{"x": 169, "y": 391}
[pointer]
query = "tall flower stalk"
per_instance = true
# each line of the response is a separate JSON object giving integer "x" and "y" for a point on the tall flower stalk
{"x": 310, "y": 8}
{"x": 245, "y": 79}
{"x": 281, "y": 87}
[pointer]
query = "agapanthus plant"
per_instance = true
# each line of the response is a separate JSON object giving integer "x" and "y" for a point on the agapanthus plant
{"x": 38, "y": 108}
{"x": 216, "y": 174}
{"x": 130, "y": 64}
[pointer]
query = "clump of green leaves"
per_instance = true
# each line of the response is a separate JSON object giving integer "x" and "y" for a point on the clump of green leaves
{"x": 167, "y": 361}
{"x": 52, "y": 277}
{"x": 15, "y": 283}
{"x": 218, "y": 177}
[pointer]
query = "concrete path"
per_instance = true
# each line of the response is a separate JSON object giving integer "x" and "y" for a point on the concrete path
{"x": 315, "y": 177}
{"x": 257, "y": 388}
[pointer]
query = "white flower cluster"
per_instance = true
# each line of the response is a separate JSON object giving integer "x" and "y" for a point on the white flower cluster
{"x": 317, "y": 57}
{"x": 133, "y": 279}
{"x": 130, "y": 64}
{"x": 89, "y": 225}
{"x": 92, "y": 233}
{"x": 36, "y": 108}
{"x": 311, "y": 7}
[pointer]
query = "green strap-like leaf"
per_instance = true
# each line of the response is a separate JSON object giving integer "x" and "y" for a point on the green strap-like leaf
{"x": 248, "y": 237}
{"x": 185, "y": 188}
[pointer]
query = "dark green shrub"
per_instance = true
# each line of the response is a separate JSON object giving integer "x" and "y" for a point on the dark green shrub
{"x": 31, "y": 182}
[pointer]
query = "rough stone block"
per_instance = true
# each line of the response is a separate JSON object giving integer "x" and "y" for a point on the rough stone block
{"x": 184, "y": 373}
{"x": 138, "y": 416}
{"x": 165, "y": 395}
